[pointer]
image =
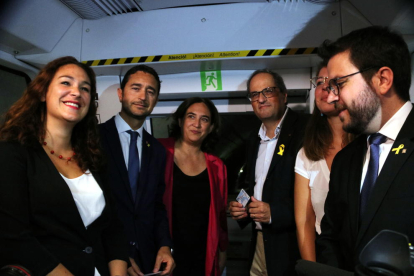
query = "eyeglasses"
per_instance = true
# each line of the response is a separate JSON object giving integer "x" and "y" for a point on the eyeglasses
{"x": 334, "y": 86}
{"x": 316, "y": 81}
{"x": 267, "y": 93}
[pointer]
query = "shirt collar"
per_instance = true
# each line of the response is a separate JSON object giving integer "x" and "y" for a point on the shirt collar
{"x": 393, "y": 126}
{"x": 123, "y": 126}
{"x": 262, "y": 130}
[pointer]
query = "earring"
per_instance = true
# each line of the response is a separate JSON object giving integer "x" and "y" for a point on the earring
{"x": 321, "y": 114}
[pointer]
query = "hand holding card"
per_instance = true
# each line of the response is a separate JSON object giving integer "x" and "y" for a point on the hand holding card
{"x": 243, "y": 198}
{"x": 238, "y": 208}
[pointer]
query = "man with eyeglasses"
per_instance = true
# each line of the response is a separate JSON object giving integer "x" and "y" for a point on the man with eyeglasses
{"x": 372, "y": 179}
{"x": 270, "y": 171}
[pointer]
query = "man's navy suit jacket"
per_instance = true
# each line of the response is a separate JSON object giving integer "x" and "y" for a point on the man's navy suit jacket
{"x": 390, "y": 206}
{"x": 145, "y": 220}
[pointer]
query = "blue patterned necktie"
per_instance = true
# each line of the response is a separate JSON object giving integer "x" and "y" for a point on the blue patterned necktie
{"x": 372, "y": 173}
{"x": 133, "y": 163}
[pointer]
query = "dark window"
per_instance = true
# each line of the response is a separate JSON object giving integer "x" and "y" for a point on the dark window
{"x": 13, "y": 83}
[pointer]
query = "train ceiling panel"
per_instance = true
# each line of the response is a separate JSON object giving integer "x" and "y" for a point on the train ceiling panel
{"x": 96, "y": 9}
{"x": 33, "y": 27}
{"x": 397, "y": 14}
{"x": 162, "y": 4}
{"x": 101, "y": 31}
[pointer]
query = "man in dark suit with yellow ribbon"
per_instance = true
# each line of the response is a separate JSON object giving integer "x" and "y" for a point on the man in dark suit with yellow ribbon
{"x": 372, "y": 179}
{"x": 270, "y": 171}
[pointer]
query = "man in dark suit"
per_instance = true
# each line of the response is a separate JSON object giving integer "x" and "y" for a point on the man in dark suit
{"x": 372, "y": 179}
{"x": 270, "y": 171}
{"x": 136, "y": 163}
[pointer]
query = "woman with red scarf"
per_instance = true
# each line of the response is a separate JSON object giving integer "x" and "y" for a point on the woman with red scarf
{"x": 196, "y": 190}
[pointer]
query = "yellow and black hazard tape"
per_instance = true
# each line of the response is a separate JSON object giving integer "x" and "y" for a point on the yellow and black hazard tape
{"x": 209, "y": 55}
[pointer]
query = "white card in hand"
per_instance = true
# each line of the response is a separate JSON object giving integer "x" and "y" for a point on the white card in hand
{"x": 243, "y": 198}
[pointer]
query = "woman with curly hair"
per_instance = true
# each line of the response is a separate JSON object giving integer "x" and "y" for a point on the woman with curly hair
{"x": 56, "y": 214}
{"x": 196, "y": 190}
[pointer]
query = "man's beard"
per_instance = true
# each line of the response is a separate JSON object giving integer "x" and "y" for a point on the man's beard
{"x": 127, "y": 110}
{"x": 362, "y": 112}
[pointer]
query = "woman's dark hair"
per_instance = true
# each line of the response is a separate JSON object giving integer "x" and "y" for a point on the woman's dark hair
{"x": 318, "y": 136}
{"x": 25, "y": 122}
{"x": 211, "y": 139}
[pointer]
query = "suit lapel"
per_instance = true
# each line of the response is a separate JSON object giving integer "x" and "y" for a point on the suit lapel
{"x": 145, "y": 162}
{"x": 62, "y": 190}
{"x": 284, "y": 139}
{"x": 105, "y": 194}
{"x": 254, "y": 151}
{"x": 282, "y": 145}
{"x": 391, "y": 168}
{"x": 114, "y": 147}
{"x": 354, "y": 183}
{"x": 213, "y": 174}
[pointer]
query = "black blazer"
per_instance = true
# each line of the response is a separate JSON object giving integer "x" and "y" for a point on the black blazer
{"x": 281, "y": 248}
{"x": 145, "y": 220}
{"x": 40, "y": 225}
{"x": 391, "y": 205}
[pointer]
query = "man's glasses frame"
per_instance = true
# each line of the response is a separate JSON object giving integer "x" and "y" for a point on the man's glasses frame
{"x": 268, "y": 92}
{"x": 334, "y": 82}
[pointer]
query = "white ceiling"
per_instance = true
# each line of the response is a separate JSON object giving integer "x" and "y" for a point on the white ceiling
{"x": 37, "y": 31}
{"x": 96, "y": 9}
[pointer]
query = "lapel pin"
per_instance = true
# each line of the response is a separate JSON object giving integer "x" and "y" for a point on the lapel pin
{"x": 281, "y": 149}
{"x": 148, "y": 144}
{"x": 397, "y": 150}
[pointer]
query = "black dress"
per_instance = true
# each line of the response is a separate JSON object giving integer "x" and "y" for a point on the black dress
{"x": 190, "y": 214}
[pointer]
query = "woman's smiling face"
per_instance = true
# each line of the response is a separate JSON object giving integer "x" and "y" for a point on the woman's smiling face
{"x": 68, "y": 95}
{"x": 196, "y": 124}
{"x": 321, "y": 95}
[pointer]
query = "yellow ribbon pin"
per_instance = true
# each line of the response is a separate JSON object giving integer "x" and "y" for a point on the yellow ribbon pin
{"x": 281, "y": 149}
{"x": 397, "y": 150}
